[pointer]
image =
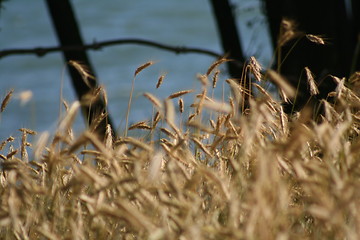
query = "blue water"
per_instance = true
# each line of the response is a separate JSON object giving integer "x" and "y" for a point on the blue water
{"x": 26, "y": 24}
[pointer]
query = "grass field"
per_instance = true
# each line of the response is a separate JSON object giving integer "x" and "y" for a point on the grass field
{"x": 219, "y": 173}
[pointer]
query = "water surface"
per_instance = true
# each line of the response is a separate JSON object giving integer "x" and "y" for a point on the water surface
{"x": 26, "y": 24}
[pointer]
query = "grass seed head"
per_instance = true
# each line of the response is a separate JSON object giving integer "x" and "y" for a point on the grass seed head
{"x": 288, "y": 31}
{"x": 255, "y": 68}
{"x": 215, "y": 65}
{"x": 6, "y": 100}
{"x": 84, "y": 72}
{"x": 179, "y": 94}
{"x": 142, "y": 67}
{"x": 215, "y": 78}
{"x": 181, "y": 105}
{"x": 315, "y": 39}
{"x": 140, "y": 125}
{"x": 157, "y": 103}
{"x": 311, "y": 81}
{"x": 203, "y": 79}
{"x": 160, "y": 81}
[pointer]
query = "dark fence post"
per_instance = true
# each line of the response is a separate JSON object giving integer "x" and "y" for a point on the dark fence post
{"x": 230, "y": 41}
{"x": 326, "y": 18}
{"x": 68, "y": 34}
{"x": 355, "y": 5}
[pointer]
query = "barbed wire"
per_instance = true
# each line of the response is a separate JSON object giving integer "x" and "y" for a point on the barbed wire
{"x": 42, "y": 51}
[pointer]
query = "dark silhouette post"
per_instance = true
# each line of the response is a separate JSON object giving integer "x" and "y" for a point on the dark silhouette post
{"x": 68, "y": 34}
{"x": 329, "y": 19}
{"x": 355, "y": 7}
{"x": 230, "y": 41}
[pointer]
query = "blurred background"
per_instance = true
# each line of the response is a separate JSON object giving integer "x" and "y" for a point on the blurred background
{"x": 179, "y": 23}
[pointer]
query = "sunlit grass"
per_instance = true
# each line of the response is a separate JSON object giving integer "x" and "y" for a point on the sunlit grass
{"x": 218, "y": 173}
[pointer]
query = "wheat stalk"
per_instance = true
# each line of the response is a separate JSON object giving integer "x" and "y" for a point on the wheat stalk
{"x": 137, "y": 71}
{"x": 179, "y": 94}
{"x": 6, "y": 100}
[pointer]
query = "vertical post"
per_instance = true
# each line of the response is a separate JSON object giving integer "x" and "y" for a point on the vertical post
{"x": 68, "y": 34}
{"x": 355, "y": 7}
{"x": 327, "y": 18}
{"x": 230, "y": 41}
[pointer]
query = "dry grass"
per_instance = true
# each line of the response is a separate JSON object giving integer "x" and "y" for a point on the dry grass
{"x": 259, "y": 175}
{"x": 6, "y": 100}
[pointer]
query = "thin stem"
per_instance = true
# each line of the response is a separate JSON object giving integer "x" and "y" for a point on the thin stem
{"x": 129, "y": 105}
